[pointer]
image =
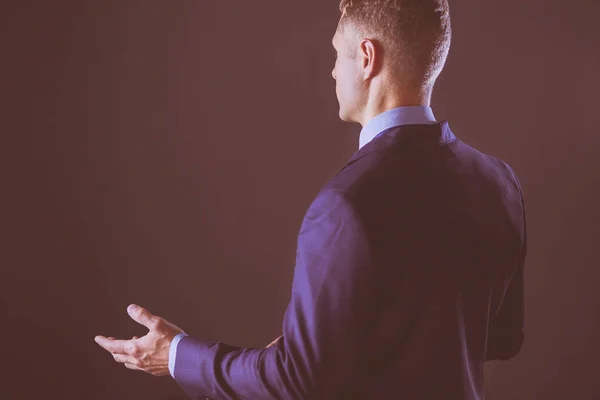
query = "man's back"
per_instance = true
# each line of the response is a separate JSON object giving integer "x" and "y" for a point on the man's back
{"x": 408, "y": 277}
{"x": 446, "y": 228}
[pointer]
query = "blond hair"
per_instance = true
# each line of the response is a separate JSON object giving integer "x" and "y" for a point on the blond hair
{"x": 415, "y": 33}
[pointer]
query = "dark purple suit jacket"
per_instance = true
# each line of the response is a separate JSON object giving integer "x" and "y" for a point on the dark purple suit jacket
{"x": 408, "y": 277}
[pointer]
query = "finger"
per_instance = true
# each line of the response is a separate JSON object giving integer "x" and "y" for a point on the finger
{"x": 161, "y": 372}
{"x": 100, "y": 336}
{"x": 132, "y": 367}
{"x": 141, "y": 316}
{"x": 112, "y": 345}
{"x": 274, "y": 342}
{"x": 125, "y": 359}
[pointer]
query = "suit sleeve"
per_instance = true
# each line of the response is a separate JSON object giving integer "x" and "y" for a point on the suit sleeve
{"x": 506, "y": 333}
{"x": 324, "y": 323}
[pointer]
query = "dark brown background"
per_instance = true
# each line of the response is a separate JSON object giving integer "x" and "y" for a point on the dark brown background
{"x": 164, "y": 153}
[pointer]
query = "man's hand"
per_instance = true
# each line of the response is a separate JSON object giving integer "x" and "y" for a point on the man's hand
{"x": 273, "y": 342}
{"x": 149, "y": 353}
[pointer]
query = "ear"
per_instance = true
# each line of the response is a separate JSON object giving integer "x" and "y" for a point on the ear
{"x": 369, "y": 56}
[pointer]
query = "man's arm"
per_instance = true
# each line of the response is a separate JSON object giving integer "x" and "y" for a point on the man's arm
{"x": 506, "y": 333}
{"x": 324, "y": 324}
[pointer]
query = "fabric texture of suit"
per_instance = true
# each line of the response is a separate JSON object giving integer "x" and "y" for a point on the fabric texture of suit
{"x": 408, "y": 277}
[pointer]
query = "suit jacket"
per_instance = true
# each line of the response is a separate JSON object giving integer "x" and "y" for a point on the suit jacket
{"x": 408, "y": 277}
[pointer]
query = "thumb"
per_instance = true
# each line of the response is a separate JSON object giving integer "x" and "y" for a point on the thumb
{"x": 141, "y": 315}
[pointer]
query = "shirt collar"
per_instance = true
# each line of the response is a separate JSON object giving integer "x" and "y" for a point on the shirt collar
{"x": 395, "y": 117}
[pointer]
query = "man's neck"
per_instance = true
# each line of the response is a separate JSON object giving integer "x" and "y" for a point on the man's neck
{"x": 396, "y": 98}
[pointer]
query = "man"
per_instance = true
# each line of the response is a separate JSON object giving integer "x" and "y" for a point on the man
{"x": 409, "y": 269}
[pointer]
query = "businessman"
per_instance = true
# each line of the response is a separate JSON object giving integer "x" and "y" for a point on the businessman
{"x": 409, "y": 268}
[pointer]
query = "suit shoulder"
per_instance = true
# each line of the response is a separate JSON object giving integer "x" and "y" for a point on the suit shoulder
{"x": 330, "y": 206}
{"x": 495, "y": 165}
{"x": 348, "y": 180}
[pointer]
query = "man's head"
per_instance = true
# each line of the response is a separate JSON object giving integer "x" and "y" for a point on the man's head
{"x": 389, "y": 54}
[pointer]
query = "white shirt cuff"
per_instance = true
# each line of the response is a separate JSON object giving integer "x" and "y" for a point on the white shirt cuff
{"x": 173, "y": 352}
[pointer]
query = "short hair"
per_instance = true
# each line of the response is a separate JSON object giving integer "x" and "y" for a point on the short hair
{"x": 415, "y": 33}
